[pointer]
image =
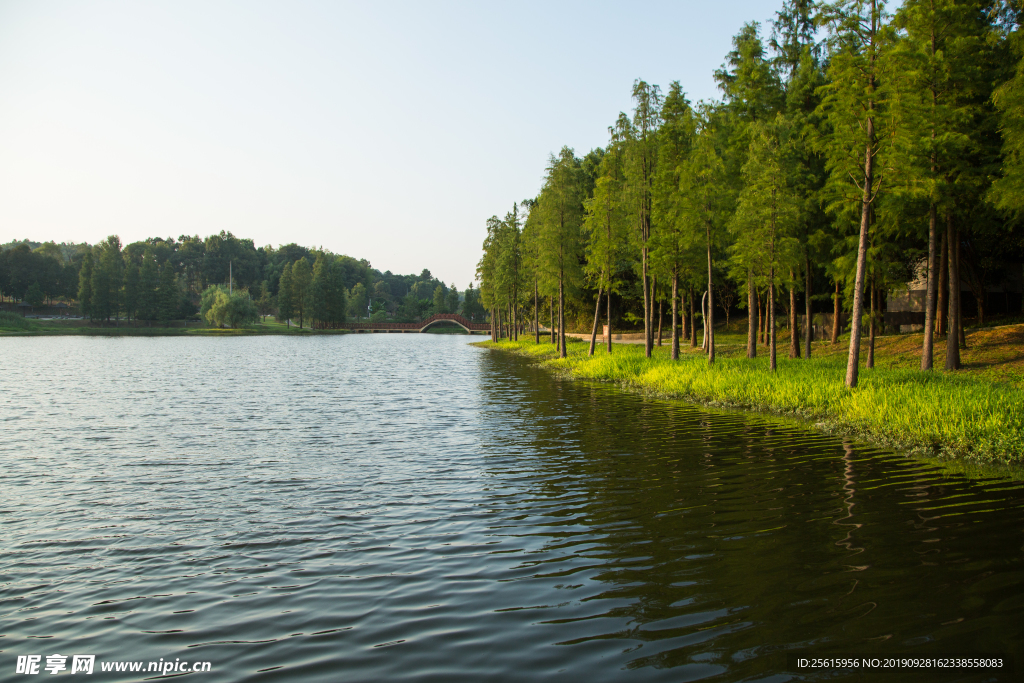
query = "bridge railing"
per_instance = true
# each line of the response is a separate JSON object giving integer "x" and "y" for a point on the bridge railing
{"x": 453, "y": 317}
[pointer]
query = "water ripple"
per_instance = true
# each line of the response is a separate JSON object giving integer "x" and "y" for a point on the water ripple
{"x": 406, "y": 507}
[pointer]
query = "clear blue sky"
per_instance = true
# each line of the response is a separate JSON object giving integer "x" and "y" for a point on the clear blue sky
{"x": 384, "y": 130}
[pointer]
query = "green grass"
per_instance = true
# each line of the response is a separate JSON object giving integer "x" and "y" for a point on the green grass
{"x": 14, "y": 322}
{"x": 945, "y": 415}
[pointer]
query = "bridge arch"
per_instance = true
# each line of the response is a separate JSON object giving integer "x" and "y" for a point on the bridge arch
{"x": 444, "y": 321}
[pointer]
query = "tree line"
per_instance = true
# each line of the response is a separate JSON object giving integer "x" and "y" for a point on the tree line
{"x": 852, "y": 151}
{"x": 225, "y": 279}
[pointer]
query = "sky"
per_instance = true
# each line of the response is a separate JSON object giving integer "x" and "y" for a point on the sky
{"x": 388, "y": 131}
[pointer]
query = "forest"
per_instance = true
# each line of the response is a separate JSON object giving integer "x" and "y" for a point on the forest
{"x": 226, "y": 280}
{"x": 852, "y": 153}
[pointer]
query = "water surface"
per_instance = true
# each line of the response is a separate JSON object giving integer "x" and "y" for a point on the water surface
{"x": 407, "y": 507}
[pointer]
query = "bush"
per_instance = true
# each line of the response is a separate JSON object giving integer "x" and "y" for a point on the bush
{"x": 13, "y": 320}
{"x": 221, "y": 309}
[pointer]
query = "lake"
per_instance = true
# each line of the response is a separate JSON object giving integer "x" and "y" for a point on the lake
{"x": 411, "y": 508}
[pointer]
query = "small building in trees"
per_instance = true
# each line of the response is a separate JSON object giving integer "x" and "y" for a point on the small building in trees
{"x": 1000, "y": 290}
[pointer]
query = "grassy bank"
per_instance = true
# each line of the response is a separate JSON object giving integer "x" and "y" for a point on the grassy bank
{"x": 970, "y": 416}
{"x": 16, "y": 326}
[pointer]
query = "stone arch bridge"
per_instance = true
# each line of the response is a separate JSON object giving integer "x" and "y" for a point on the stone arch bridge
{"x": 432, "y": 321}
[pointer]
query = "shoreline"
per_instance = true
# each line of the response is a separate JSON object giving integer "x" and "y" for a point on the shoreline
{"x": 160, "y": 332}
{"x": 970, "y": 424}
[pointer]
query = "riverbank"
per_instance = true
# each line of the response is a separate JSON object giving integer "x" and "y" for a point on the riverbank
{"x": 11, "y": 326}
{"x": 972, "y": 416}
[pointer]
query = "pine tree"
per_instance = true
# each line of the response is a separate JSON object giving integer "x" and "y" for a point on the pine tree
{"x": 926, "y": 59}
{"x": 1007, "y": 191}
{"x": 285, "y": 299}
{"x": 673, "y": 252}
{"x": 641, "y": 164}
{"x": 149, "y": 281}
{"x": 701, "y": 185}
{"x": 264, "y": 302}
{"x": 766, "y": 217}
{"x": 318, "y": 293}
{"x": 85, "y": 285}
{"x": 168, "y": 295}
{"x": 853, "y": 104}
{"x": 560, "y": 238}
{"x": 131, "y": 291}
{"x": 107, "y": 276}
{"x": 337, "y": 296}
{"x": 302, "y": 281}
{"x": 357, "y": 300}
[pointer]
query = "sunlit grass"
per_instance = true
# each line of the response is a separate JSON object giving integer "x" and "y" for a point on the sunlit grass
{"x": 948, "y": 414}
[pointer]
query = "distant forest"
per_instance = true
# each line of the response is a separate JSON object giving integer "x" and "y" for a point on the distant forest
{"x": 163, "y": 279}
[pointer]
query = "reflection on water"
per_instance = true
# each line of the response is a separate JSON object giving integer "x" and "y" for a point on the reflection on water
{"x": 406, "y": 507}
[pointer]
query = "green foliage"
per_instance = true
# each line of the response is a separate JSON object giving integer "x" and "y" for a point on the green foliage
{"x": 85, "y": 285}
{"x": 34, "y": 295}
{"x": 13, "y": 321}
{"x": 149, "y": 282}
{"x": 285, "y": 299}
{"x": 451, "y": 300}
{"x": 221, "y": 309}
{"x": 327, "y": 298}
{"x": 676, "y": 248}
{"x": 1008, "y": 190}
{"x": 130, "y": 277}
{"x": 264, "y": 302}
{"x": 767, "y": 214}
{"x": 168, "y": 295}
{"x": 107, "y": 276}
{"x": 132, "y": 290}
{"x": 357, "y": 301}
{"x": 472, "y": 309}
{"x": 302, "y": 283}
{"x": 439, "y": 300}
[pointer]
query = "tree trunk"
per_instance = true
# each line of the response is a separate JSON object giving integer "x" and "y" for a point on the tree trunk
{"x": 561, "y": 316}
{"x": 684, "y": 329}
{"x": 514, "y": 319}
{"x": 871, "y": 326}
{"x": 648, "y": 307}
{"x": 675, "y": 315}
{"x": 609, "y": 314}
{"x": 853, "y": 359}
{"x": 661, "y": 317}
{"x": 693, "y": 321}
{"x": 597, "y": 319}
{"x": 794, "y": 323}
{"x": 536, "y": 312}
{"x": 762, "y": 315}
{"x": 751, "y": 323}
{"x": 959, "y": 301}
{"x": 836, "y": 312}
{"x": 704, "y": 320}
{"x": 943, "y": 288}
{"x": 952, "y": 339}
{"x": 928, "y": 345}
{"x": 711, "y": 303}
{"x": 773, "y": 363}
{"x": 808, "y": 323}
{"x": 551, "y": 312}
